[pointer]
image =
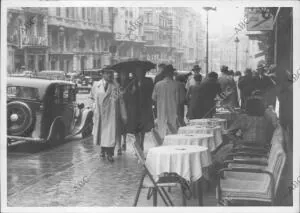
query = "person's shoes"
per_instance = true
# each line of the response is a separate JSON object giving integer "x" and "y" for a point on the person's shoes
{"x": 119, "y": 152}
{"x": 124, "y": 147}
{"x": 102, "y": 155}
{"x": 110, "y": 158}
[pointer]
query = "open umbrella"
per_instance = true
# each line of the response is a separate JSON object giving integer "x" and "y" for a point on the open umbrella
{"x": 132, "y": 63}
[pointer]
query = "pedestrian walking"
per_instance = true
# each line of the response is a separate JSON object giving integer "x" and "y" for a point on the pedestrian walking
{"x": 228, "y": 87}
{"x": 203, "y": 100}
{"x": 182, "y": 79}
{"x": 144, "y": 88}
{"x": 191, "y": 81}
{"x": 272, "y": 91}
{"x": 109, "y": 113}
{"x": 168, "y": 95}
{"x": 246, "y": 86}
{"x": 263, "y": 83}
{"x": 193, "y": 100}
{"x": 130, "y": 99}
{"x": 160, "y": 75}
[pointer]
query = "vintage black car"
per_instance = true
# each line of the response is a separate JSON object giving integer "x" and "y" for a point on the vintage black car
{"x": 41, "y": 110}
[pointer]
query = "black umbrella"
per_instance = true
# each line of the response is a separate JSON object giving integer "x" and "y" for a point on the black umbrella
{"x": 131, "y": 64}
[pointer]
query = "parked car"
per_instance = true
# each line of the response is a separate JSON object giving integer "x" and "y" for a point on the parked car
{"x": 25, "y": 74}
{"x": 52, "y": 75}
{"x": 92, "y": 75}
{"x": 44, "y": 111}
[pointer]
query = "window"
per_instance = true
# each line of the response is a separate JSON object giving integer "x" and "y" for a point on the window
{"x": 23, "y": 92}
{"x": 131, "y": 14}
{"x": 126, "y": 26}
{"x": 57, "y": 11}
{"x": 68, "y": 12}
{"x": 83, "y": 13}
{"x": 68, "y": 42}
{"x": 101, "y": 16}
{"x": 40, "y": 26}
{"x": 148, "y": 18}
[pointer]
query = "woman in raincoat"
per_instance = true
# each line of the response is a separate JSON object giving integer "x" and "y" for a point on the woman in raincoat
{"x": 109, "y": 113}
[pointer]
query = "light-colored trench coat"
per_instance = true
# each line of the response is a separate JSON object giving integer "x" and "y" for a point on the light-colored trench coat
{"x": 169, "y": 95}
{"x": 109, "y": 113}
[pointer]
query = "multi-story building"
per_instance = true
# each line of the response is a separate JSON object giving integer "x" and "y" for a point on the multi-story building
{"x": 27, "y": 39}
{"x": 75, "y": 39}
{"x": 129, "y": 34}
{"x": 79, "y": 38}
{"x": 157, "y": 34}
{"x": 173, "y": 36}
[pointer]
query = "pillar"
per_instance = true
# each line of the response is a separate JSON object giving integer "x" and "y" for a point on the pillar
{"x": 26, "y": 58}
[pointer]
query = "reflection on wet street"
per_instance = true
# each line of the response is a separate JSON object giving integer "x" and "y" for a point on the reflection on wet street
{"x": 72, "y": 174}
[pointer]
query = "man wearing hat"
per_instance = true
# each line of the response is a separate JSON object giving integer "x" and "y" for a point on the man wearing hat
{"x": 169, "y": 96}
{"x": 109, "y": 113}
{"x": 191, "y": 81}
{"x": 263, "y": 83}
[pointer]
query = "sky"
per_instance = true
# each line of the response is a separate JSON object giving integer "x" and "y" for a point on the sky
{"x": 224, "y": 17}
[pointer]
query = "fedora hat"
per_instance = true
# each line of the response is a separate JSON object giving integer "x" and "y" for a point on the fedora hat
{"x": 169, "y": 68}
{"x": 196, "y": 67}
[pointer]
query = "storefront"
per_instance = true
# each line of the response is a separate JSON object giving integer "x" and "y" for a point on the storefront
{"x": 35, "y": 59}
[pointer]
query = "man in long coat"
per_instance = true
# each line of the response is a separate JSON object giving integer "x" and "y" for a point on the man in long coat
{"x": 228, "y": 87}
{"x": 109, "y": 113}
{"x": 169, "y": 95}
{"x": 246, "y": 87}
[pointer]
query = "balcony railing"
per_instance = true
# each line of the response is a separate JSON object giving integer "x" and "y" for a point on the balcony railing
{"x": 31, "y": 40}
{"x": 79, "y": 24}
{"x": 158, "y": 43}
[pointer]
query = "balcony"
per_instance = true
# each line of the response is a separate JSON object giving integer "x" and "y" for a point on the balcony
{"x": 34, "y": 41}
{"x": 78, "y": 24}
{"x": 158, "y": 43}
{"x": 129, "y": 37}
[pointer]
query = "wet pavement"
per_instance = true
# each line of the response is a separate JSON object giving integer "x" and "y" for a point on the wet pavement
{"x": 72, "y": 174}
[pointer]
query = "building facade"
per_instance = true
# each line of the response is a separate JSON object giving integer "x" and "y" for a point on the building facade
{"x": 74, "y": 39}
{"x": 128, "y": 33}
{"x": 79, "y": 38}
{"x": 27, "y": 39}
{"x": 174, "y": 35}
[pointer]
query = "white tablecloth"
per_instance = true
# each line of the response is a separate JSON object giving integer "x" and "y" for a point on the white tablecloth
{"x": 205, "y": 140}
{"x": 215, "y": 131}
{"x": 208, "y": 122}
{"x": 185, "y": 160}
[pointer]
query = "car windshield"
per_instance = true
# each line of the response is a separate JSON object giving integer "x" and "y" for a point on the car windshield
{"x": 22, "y": 92}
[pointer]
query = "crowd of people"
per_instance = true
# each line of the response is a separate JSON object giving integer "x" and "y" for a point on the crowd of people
{"x": 132, "y": 103}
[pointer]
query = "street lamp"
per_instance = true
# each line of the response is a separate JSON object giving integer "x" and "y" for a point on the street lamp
{"x": 236, "y": 52}
{"x": 207, "y": 9}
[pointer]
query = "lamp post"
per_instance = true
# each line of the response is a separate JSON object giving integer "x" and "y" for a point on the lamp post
{"x": 236, "y": 52}
{"x": 207, "y": 9}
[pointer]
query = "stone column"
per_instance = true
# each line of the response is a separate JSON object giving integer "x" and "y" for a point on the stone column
{"x": 26, "y": 58}
{"x": 46, "y": 61}
{"x": 36, "y": 63}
